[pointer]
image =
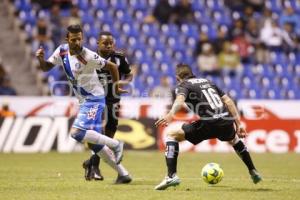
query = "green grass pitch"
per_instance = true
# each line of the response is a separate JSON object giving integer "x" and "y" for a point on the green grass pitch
{"x": 60, "y": 176}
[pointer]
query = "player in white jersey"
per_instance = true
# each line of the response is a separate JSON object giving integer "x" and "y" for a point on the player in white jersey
{"x": 80, "y": 64}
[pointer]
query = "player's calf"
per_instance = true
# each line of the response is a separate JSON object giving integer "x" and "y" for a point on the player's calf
{"x": 171, "y": 154}
{"x": 118, "y": 152}
{"x": 241, "y": 150}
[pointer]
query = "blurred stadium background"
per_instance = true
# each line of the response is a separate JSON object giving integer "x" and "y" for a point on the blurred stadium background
{"x": 249, "y": 48}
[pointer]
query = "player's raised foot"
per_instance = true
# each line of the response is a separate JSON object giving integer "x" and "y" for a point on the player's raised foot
{"x": 96, "y": 174}
{"x": 123, "y": 179}
{"x": 87, "y": 170}
{"x": 168, "y": 182}
{"x": 255, "y": 176}
{"x": 118, "y": 152}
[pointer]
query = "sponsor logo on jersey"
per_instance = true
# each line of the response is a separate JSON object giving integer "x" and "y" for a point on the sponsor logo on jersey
{"x": 93, "y": 112}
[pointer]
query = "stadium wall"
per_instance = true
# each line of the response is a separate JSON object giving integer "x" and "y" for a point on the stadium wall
{"x": 42, "y": 123}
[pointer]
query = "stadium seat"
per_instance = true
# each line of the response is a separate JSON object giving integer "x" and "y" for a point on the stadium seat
{"x": 100, "y": 5}
{"x": 23, "y": 5}
{"x": 118, "y": 4}
{"x": 138, "y": 4}
{"x": 83, "y": 4}
{"x": 28, "y": 17}
{"x": 92, "y": 43}
{"x": 274, "y": 5}
{"x": 189, "y": 30}
{"x": 102, "y": 15}
{"x": 86, "y": 18}
{"x": 169, "y": 30}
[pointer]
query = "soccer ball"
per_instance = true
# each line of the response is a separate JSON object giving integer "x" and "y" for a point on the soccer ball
{"x": 212, "y": 173}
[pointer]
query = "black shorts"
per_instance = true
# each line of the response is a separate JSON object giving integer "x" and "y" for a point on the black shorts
{"x": 111, "y": 116}
{"x": 198, "y": 131}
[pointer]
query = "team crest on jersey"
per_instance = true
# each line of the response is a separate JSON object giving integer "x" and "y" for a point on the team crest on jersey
{"x": 92, "y": 112}
{"x": 96, "y": 57}
{"x": 77, "y": 66}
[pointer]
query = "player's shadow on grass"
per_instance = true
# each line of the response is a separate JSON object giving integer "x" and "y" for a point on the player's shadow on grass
{"x": 254, "y": 189}
{"x": 226, "y": 187}
{"x": 144, "y": 182}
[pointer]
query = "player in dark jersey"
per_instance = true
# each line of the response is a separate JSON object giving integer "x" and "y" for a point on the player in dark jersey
{"x": 219, "y": 118}
{"x": 106, "y": 49}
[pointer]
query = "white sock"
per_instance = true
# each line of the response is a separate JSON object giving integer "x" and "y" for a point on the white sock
{"x": 107, "y": 155}
{"x": 94, "y": 137}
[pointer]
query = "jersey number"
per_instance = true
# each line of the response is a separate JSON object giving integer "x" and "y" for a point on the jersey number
{"x": 213, "y": 98}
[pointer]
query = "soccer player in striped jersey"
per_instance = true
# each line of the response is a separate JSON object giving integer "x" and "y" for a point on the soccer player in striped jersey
{"x": 106, "y": 49}
{"x": 80, "y": 65}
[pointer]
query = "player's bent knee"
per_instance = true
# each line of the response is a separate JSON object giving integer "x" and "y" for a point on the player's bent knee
{"x": 176, "y": 135}
{"x": 78, "y": 134}
{"x": 171, "y": 135}
{"x": 95, "y": 147}
{"x": 235, "y": 140}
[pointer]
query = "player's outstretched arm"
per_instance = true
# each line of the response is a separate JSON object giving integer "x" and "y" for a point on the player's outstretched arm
{"x": 177, "y": 105}
{"x": 113, "y": 69}
{"x": 127, "y": 79}
{"x": 44, "y": 65}
{"x": 235, "y": 114}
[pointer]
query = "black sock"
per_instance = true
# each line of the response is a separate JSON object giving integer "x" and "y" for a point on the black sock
{"x": 243, "y": 153}
{"x": 171, "y": 154}
{"x": 95, "y": 160}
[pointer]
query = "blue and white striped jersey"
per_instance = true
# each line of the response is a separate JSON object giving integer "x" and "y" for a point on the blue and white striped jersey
{"x": 81, "y": 71}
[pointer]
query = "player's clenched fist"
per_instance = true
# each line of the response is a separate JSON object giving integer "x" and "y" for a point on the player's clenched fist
{"x": 40, "y": 53}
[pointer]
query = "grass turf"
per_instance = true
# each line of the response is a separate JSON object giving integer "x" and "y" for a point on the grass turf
{"x": 60, "y": 176}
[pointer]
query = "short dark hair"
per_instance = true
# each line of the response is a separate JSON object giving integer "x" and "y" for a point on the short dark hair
{"x": 74, "y": 28}
{"x": 106, "y": 33}
{"x": 184, "y": 71}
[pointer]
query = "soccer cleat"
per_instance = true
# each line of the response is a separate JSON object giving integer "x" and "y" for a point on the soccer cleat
{"x": 87, "y": 170}
{"x": 167, "y": 182}
{"x": 118, "y": 152}
{"x": 255, "y": 176}
{"x": 96, "y": 174}
{"x": 123, "y": 179}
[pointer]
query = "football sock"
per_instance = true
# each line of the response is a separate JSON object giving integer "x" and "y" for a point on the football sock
{"x": 243, "y": 153}
{"x": 94, "y": 137}
{"x": 95, "y": 160}
{"x": 171, "y": 154}
{"x": 107, "y": 155}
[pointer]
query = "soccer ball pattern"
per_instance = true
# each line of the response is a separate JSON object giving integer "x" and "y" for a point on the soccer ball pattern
{"x": 212, "y": 173}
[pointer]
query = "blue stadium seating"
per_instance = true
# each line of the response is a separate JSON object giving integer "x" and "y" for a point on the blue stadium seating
{"x": 158, "y": 48}
{"x": 23, "y": 5}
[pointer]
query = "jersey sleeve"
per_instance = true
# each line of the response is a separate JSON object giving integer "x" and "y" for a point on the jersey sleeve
{"x": 124, "y": 66}
{"x": 97, "y": 61}
{"x": 55, "y": 58}
{"x": 182, "y": 90}
{"x": 219, "y": 91}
